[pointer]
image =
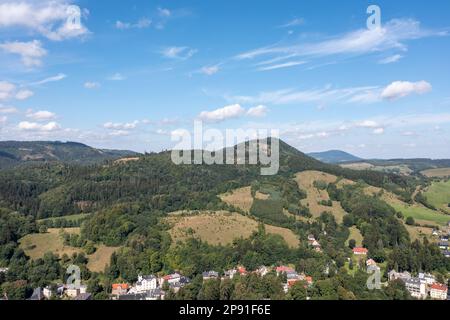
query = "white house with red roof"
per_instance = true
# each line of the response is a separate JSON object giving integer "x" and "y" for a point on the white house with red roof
{"x": 438, "y": 291}
{"x": 360, "y": 251}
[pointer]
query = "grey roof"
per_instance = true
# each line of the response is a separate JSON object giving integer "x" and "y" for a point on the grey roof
{"x": 136, "y": 296}
{"x": 210, "y": 274}
{"x": 413, "y": 281}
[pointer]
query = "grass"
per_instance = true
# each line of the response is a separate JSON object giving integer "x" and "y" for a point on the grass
{"x": 437, "y": 173}
{"x": 36, "y": 245}
{"x": 240, "y": 198}
{"x": 356, "y": 235}
{"x": 221, "y": 227}
{"x": 306, "y": 181}
{"x": 100, "y": 258}
{"x": 438, "y": 194}
{"x": 421, "y": 214}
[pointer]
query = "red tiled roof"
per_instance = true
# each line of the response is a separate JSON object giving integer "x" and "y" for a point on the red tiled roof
{"x": 284, "y": 269}
{"x": 439, "y": 286}
{"x": 120, "y": 285}
{"x": 360, "y": 250}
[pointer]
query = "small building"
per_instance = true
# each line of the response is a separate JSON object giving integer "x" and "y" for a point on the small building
{"x": 446, "y": 253}
{"x": 443, "y": 245}
{"x": 416, "y": 288}
{"x": 360, "y": 251}
{"x": 262, "y": 271}
{"x": 242, "y": 271}
{"x": 284, "y": 269}
{"x": 171, "y": 278}
{"x": 394, "y": 275}
{"x": 438, "y": 291}
{"x": 4, "y": 270}
{"x": 230, "y": 273}
{"x": 119, "y": 289}
{"x": 145, "y": 283}
{"x": 427, "y": 278}
{"x": 208, "y": 275}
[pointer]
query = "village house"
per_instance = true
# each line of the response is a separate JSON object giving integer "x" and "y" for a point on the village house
{"x": 208, "y": 275}
{"x": 72, "y": 292}
{"x": 416, "y": 288}
{"x": 443, "y": 245}
{"x": 230, "y": 273}
{"x": 427, "y": 278}
{"x": 438, "y": 291}
{"x": 360, "y": 251}
{"x": 180, "y": 283}
{"x": 283, "y": 269}
{"x": 3, "y": 270}
{"x": 145, "y": 283}
{"x": 171, "y": 279}
{"x": 119, "y": 289}
{"x": 394, "y": 275}
{"x": 262, "y": 271}
{"x": 48, "y": 292}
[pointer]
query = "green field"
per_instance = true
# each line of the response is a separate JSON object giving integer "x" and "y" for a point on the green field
{"x": 438, "y": 194}
{"x": 421, "y": 214}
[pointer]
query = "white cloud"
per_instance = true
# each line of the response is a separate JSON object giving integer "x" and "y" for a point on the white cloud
{"x": 228, "y": 112}
{"x": 121, "y": 126}
{"x": 182, "y": 53}
{"x": 400, "y": 89}
{"x": 92, "y": 85}
{"x": 119, "y": 133}
{"x": 3, "y": 119}
{"x": 8, "y": 91}
{"x": 41, "y": 115}
{"x": 258, "y": 111}
{"x": 31, "y": 52}
{"x": 210, "y": 70}
{"x": 55, "y": 19}
{"x": 140, "y": 24}
{"x": 163, "y": 12}
{"x": 391, "y": 59}
{"x": 282, "y": 65}
{"x": 24, "y": 94}
{"x": 7, "y": 110}
{"x": 34, "y": 126}
{"x": 116, "y": 77}
{"x": 56, "y": 78}
{"x": 367, "y": 124}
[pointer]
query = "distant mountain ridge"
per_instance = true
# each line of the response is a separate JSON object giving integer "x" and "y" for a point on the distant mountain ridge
{"x": 13, "y": 153}
{"x": 334, "y": 156}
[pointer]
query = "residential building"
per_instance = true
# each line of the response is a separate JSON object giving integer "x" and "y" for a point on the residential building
{"x": 262, "y": 271}
{"x": 208, "y": 275}
{"x": 360, "y": 251}
{"x": 443, "y": 245}
{"x": 145, "y": 283}
{"x": 230, "y": 273}
{"x": 438, "y": 291}
{"x": 416, "y": 288}
{"x": 284, "y": 269}
{"x": 427, "y": 278}
{"x": 171, "y": 278}
{"x": 119, "y": 289}
{"x": 394, "y": 275}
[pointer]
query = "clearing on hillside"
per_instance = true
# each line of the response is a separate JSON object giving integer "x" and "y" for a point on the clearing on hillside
{"x": 221, "y": 227}
{"x": 306, "y": 181}
{"x": 437, "y": 173}
{"x": 438, "y": 194}
{"x": 36, "y": 245}
{"x": 356, "y": 235}
{"x": 240, "y": 198}
{"x": 100, "y": 258}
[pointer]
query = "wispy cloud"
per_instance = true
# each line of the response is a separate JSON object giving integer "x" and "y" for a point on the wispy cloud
{"x": 392, "y": 36}
{"x": 391, "y": 59}
{"x": 282, "y": 65}
{"x": 31, "y": 53}
{"x": 58, "y": 77}
{"x": 181, "y": 53}
{"x": 140, "y": 24}
{"x": 293, "y": 23}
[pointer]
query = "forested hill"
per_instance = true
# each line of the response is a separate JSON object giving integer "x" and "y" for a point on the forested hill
{"x": 153, "y": 181}
{"x": 13, "y": 153}
{"x": 334, "y": 156}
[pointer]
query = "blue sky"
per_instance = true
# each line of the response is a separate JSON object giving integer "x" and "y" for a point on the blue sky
{"x": 133, "y": 72}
